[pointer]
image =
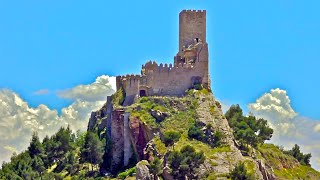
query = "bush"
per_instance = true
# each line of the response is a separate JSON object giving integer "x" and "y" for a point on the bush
{"x": 198, "y": 86}
{"x": 170, "y": 137}
{"x": 207, "y": 135}
{"x": 119, "y": 97}
{"x": 126, "y": 173}
{"x": 185, "y": 162}
{"x": 196, "y": 133}
{"x": 240, "y": 173}
{"x": 304, "y": 159}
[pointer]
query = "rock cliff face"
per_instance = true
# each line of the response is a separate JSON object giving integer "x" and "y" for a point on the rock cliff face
{"x": 140, "y": 135}
{"x": 134, "y": 129}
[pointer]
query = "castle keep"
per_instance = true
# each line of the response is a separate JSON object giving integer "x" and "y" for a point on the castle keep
{"x": 190, "y": 67}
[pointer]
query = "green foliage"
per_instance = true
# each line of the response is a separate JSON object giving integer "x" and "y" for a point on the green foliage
{"x": 304, "y": 159}
{"x": 35, "y": 148}
{"x": 207, "y": 135}
{"x": 57, "y": 157}
{"x": 127, "y": 173}
{"x": 171, "y": 137}
{"x": 248, "y": 130}
{"x": 185, "y": 162}
{"x": 119, "y": 97}
{"x": 155, "y": 167}
{"x": 240, "y": 173}
{"x": 92, "y": 150}
{"x": 198, "y": 86}
{"x": 196, "y": 133}
{"x": 80, "y": 138}
{"x": 284, "y": 165}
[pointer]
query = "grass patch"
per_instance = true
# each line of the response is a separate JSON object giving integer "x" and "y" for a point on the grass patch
{"x": 159, "y": 145}
{"x": 299, "y": 172}
{"x": 278, "y": 160}
{"x": 127, "y": 173}
{"x": 250, "y": 166}
{"x": 212, "y": 110}
{"x": 275, "y": 157}
{"x": 209, "y": 152}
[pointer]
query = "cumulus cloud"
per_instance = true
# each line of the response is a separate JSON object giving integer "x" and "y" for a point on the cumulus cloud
{"x": 289, "y": 127}
{"x": 18, "y": 120}
{"x": 92, "y": 92}
{"x": 42, "y": 92}
{"x": 317, "y": 128}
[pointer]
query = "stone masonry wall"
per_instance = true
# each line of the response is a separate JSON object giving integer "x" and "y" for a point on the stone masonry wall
{"x": 192, "y": 24}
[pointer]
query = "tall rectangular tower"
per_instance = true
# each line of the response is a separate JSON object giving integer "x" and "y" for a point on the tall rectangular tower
{"x": 192, "y": 25}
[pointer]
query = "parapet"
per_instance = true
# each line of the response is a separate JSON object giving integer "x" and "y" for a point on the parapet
{"x": 193, "y": 11}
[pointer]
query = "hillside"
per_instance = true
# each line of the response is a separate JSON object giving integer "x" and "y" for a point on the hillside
{"x": 202, "y": 132}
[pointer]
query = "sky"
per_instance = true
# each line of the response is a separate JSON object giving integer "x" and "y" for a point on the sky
{"x": 59, "y": 58}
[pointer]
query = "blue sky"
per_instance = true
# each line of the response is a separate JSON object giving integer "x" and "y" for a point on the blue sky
{"x": 253, "y": 46}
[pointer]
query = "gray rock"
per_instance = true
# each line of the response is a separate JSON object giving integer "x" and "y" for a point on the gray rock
{"x": 143, "y": 171}
{"x": 158, "y": 115}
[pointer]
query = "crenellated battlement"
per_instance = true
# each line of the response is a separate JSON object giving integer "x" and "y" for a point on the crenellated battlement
{"x": 193, "y": 11}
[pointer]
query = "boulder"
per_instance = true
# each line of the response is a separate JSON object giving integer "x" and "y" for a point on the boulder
{"x": 143, "y": 171}
{"x": 158, "y": 115}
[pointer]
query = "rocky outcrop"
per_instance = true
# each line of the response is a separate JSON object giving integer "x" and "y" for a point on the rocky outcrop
{"x": 117, "y": 136}
{"x": 264, "y": 171}
{"x": 102, "y": 118}
{"x": 140, "y": 135}
{"x": 158, "y": 115}
{"x": 142, "y": 171}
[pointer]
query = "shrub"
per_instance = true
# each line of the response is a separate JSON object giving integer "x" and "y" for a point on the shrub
{"x": 240, "y": 173}
{"x": 126, "y": 173}
{"x": 198, "y": 87}
{"x": 196, "y": 133}
{"x": 119, "y": 97}
{"x": 207, "y": 135}
{"x": 170, "y": 137}
{"x": 185, "y": 162}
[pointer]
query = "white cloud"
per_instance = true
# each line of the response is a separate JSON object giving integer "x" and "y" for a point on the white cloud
{"x": 289, "y": 127}
{"x": 93, "y": 92}
{"x": 42, "y": 92}
{"x": 18, "y": 120}
{"x": 317, "y": 128}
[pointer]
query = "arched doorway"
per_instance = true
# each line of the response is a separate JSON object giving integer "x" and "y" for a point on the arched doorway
{"x": 143, "y": 93}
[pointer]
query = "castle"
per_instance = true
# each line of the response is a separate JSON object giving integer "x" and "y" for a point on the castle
{"x": 190, "y": 67}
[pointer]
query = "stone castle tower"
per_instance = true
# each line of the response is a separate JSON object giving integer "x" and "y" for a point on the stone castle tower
{"x": 190, "y": 67}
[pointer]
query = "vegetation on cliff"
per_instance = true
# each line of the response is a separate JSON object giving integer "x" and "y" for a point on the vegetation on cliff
{"x": 190, "y": 138}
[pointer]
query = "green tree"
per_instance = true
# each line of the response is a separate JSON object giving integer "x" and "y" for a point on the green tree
{"x": 171, "y": 137}
{"x": 234, "y": 115}
{"x": 296, "y": 153}
{"x": 92, "y": 150}
{"x": 265, "y": 132}
{"x": 248, "y": 130}
{"x": 185, "y": 162}
{"x": 38, "y": 165}
{"x": 155, "y": 167}
{"x": 35, "y": 148}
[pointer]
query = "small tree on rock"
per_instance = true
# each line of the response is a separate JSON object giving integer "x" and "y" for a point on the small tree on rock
{"x": 171, "y": 137}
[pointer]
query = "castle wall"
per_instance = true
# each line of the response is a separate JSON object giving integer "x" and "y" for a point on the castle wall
{"x": 174, "y": 80}
{"x": 130, "y": 83}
